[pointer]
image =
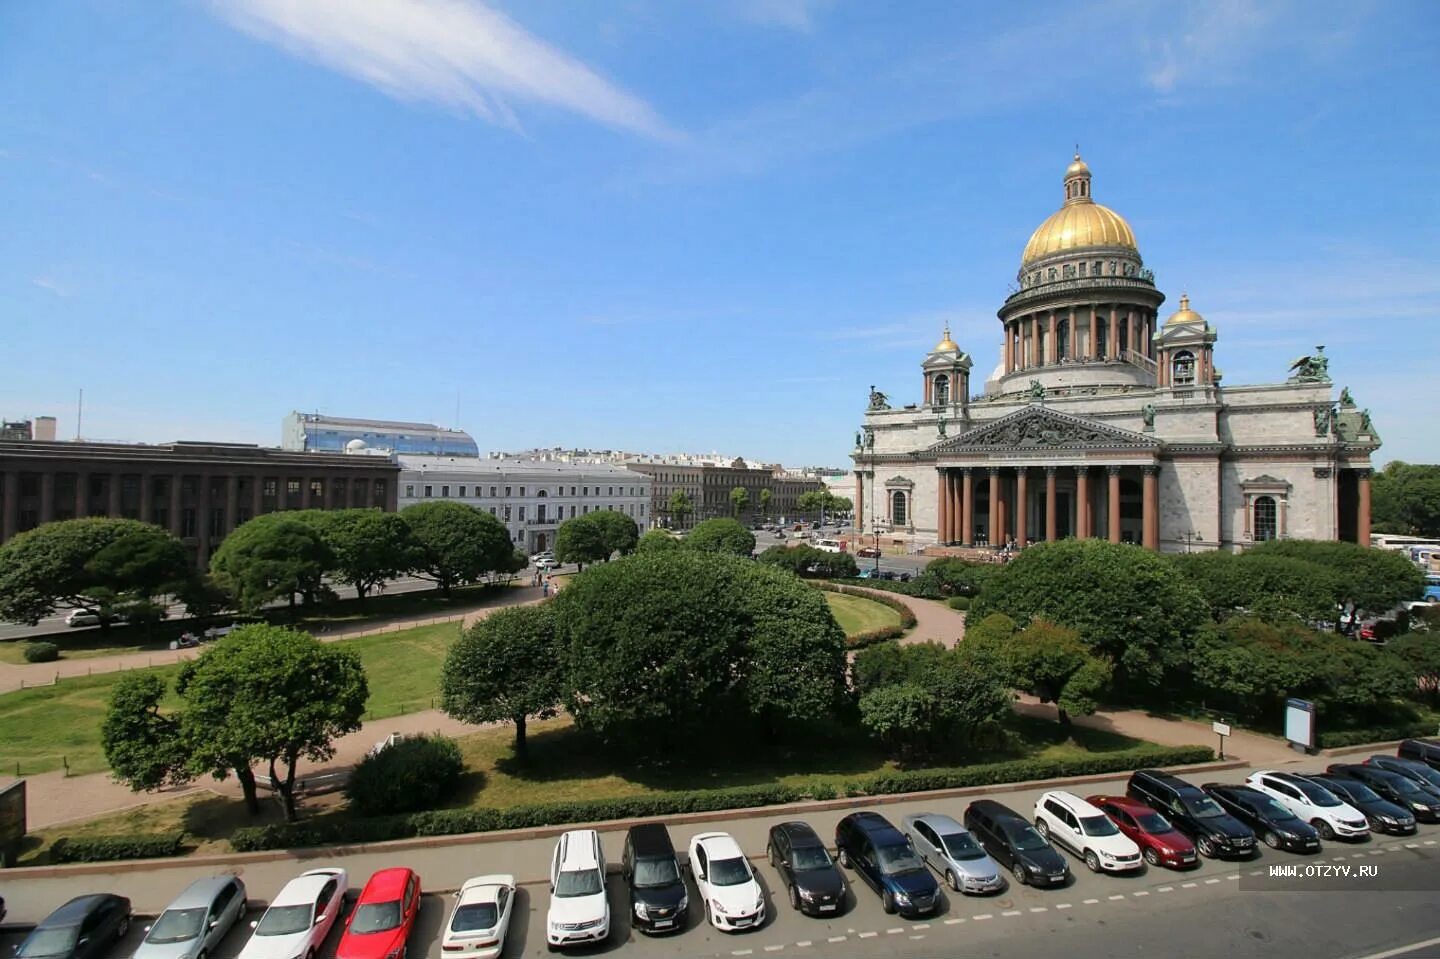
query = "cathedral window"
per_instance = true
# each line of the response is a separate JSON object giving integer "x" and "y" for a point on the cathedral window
{"x": 1265, "y": 524}
{"x": 898, "y": 515}
{"x": 1062, "y": 338}
{"x": 1183, "y": 369}
{"x": 1082, "y": 269}
{"x": 942, "y": 390}
{"x": 1052, "y": 274}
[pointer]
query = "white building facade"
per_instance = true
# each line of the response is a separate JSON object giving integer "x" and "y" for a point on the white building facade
{"x": 531, "y": 498}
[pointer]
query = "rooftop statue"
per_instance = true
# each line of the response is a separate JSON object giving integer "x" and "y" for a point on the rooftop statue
{"x": 1037, "y": 392}
{"x": 877, "y": 400}
{"x": 1147, "y": 413}
{"x": 1311, "y": 369}
{"x": 1346, "y": 400}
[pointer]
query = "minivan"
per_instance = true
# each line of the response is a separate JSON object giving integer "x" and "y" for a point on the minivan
{"x": 882, "y": 856}
{"x": 829, "y": 546}
{"x": 657, "y": 892}
{"x": 1013, "y": 843}
{"x": 1215, "y": 832}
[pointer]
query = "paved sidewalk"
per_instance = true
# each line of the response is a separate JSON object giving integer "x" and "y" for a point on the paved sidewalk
{"x": 934, "y": 621}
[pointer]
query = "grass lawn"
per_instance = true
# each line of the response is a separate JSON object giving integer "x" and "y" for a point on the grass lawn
{"x": 42, "y": 727}
{"x": 856, "y": 614}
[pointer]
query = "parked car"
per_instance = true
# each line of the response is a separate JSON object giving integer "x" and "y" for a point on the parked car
{"x": 658, "y": 901}
{"x": 195, "y": 922}
{"x": 1015, "y": 844}
{"x": 1426, "y": 751}
{"x": 1276, "y": 825}
{"x": 1383, "y": 815}
{"x": 1070, "y": 822}
{"x": 579, "y": 910}
{"x": 953, "y": 852}
{"x": 881, "y": 855}
{"x": 83, "y": 617}
{"x": 1422, "y": 801}
{"x": 868, "y": 552}
{"x": 379, "y": 926}
{"x": 1335, "y": 818}
{"x": 545, "y": 563}
{"x": 86, "y": 927}
{"x": 1160, "y": 842}
{"x": 300, "y": 916}
{"x": 1214, "y": 831}
{"x": 732, "y": 895}
{"x": 1410, "y": 768}
{"x": 806, "y": 869}
{"x": 481, "y": 918}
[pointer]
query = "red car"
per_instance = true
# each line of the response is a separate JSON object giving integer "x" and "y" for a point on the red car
{"x": 380, "y": 924}
{"x": 1159, "y": 841}
{"x": 867, "y": 552}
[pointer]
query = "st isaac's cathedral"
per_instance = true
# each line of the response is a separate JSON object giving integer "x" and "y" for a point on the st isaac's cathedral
{"x": 1104, "y": 418}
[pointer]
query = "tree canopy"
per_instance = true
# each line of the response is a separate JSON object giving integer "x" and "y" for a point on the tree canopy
{"x": 921, "y": 698}
{"x": 582, "y": 539}
{"x": 1405, "y": 498}
{"x": 459, "y": 544}
{"x": 657, "y": 540}
{"x": 507, "y": 667}
{"x": 810, "y": 562}
{"x": 721, "y": 536}
{"x": 369, "y": 547}
{"x": 271, "y": 557}
{"x": 620, "y": 532}
{"x": 679, "y": 506}
{"x": 739, "y": 500}
{"x": 1268, "y": 586}
{"x": 1365, "y": 580}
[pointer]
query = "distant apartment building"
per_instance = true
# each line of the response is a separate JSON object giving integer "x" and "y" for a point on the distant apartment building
{"x": 316, "y": 432}
{"x": 40, "y": 428}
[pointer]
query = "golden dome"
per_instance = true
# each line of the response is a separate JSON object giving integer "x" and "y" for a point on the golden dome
{"x": 1184, "y": 314}
{"x": 947, "y": 345}
{"x": 1079, "y": 224}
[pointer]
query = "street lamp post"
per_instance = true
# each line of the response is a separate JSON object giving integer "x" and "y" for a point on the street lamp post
{"x": 877, "y": 548}
{"x": 1191, "y": 536}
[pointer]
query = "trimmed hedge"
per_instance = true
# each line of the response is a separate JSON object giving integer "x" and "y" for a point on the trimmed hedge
{"x": 41, "y": 652}
{"x": 871, "y": 637}
{"x": 413, "y": 774}
{"x": 921, "y": 587}
{"x": 446, "y": 822}
{"x": 907, "y": 615}
{"x": 961, "y": 603}
{"x": 1376, "y": 734}
{"x": 106, "y": 848}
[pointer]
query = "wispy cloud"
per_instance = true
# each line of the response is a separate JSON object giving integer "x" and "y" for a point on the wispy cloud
{"x": 1207, "y": 43}
{"x": 48, "y": 282}
{"x": 457, "y": 53}
{"x": 790, "y": 14}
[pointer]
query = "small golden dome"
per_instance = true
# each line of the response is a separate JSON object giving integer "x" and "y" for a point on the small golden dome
{"x": 1077, "y": 167}
{"x": 1185, "y": 314}
{"x": 947, "y": 345}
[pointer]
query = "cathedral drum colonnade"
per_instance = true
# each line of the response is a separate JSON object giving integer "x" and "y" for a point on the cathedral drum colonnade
{"x": 1102, "y": 420}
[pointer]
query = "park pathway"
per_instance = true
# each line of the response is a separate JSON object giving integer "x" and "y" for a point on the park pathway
{"x": 934, "y": 621}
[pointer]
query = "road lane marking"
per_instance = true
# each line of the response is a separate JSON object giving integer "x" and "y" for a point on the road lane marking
{"x": 1412, "y": 845}
{"x": 1140, "y": 893}
{"x": 1211, "y": 882}
{"x": 741, "y": 952}
{"x": 1172, "y": 888}
{"x": 921, "y": 936}
{"x": 954, "y": 922}
{"x": 1401, "y": 950}
{"x": 868, "y": 935}
{"x": 1428, "y": 842}
{"x": 837, "y": 939}
{"x": 1011, "y": 912}
{"x": 920, "y": 927}
{"x": 773, "y": 948}
{"x": 1038, "y": 909}
{"x": 1091, "y": 902}
{"x": 894, "y": 932}
{"x": 983, "y": 915}
{"x": 1113, "y": 898}
{"x": 803, "y": 943}
{"x": 1063, "y": 905}
{"x": 1377, "y": 852}
{"x": 1188, "y": 885}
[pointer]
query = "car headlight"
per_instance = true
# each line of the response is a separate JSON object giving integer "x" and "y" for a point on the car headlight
{"x": 684, "y": 903}
{"x": 395, "y": 953}
{"x": 1107, "y": 855}
{"x": 719, "y": 909}
{"x": 641, "y": 910}
{"x": 1420, "y": 806}
{"x": 902, "y": 897}
{"x": 759, "y": 900}
{"x": 807, "y": 894}
{"x": 1389, "y": 820}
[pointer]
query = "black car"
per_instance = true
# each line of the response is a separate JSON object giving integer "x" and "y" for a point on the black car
{"x": 1012, "y": 842}
{"x": 1214, "y": 831}
{"x": 1412, "y": 768}
{"x": 882, "y": 856}
{"x": 1382, "y": 814}
{"x": 806, "y": 869}
{"x": 657, "y": 891}
{"x": 86, "y": 927}
{"x": 1421, "y": 800}
{"x": 1277, "y": 826}
{"x": 1425, "y": 751}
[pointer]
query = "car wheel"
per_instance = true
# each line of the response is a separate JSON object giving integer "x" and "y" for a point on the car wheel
{"x": 1043, "y": 829}
{"x": 708, "y": 917}
{"x": 770, "y": 854}
{"x": 123, "y": 928}
{"x": 1092, "y": 861}
{"x": 1270, "y": 839}
{"x": 887, "y": 902}
{"x": 951, "y": 881}
{"x": 794, "y": 898}
{"x": 1152, "y": 857}
{"x": 1206, "y": 847}
{"x": 845, "y": 859}
{"x": 1018, "y": 871}
{"x": 1326, "y": 832}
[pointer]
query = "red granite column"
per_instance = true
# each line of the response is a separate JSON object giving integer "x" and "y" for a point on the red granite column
{"x": 1022, "y": 504}
{"x": 1051, "y": 524}
{"x": 1052, "y": 346}
{"x": 967, "y": 506}
{"x": 995, "y": 536}
{"x": 1150, "y": 508}
{"x": 1362, "y": 514}
{"x": 1114, "y": 507}
{"x": 942, "y": 508}
{"x": 1082, "y": 502}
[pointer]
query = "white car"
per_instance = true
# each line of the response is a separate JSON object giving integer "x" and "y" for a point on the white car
{"x": 728, "y": 887}
{"x": 545, "y": 562}
{"x": 1313, "y": 803}
{"x": 579, "y": 910}
{"x": 299, "y": 917}
{"x": 1067, "y": 820}
{"x": 481, "y": 917}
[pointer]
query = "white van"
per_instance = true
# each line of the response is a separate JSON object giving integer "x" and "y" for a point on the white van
{"x": 829, "y": 545}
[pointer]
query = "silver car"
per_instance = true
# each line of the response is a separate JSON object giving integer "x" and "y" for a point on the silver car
{"x": 950, "y": 849}
{"x": 193, "y": 925}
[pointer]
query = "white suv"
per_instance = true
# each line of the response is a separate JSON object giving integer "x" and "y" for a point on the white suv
{"x": 728, "y": 887}
{"x": 1313, "y": 803}
{"x": 1070, "y": 821}
{"x": 579, "y": 909}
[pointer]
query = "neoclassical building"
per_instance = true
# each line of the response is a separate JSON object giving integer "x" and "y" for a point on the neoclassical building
{"x": 1104, "y": 417}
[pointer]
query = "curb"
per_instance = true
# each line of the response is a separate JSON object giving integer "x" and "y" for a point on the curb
{"x": 610, "y": 825}
{"x": 1360, "y": 748}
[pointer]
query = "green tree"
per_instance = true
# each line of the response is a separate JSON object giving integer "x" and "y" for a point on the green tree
{"x": 1420, "y": 652}
{"x": 1129, "y": 605}
{"x": 679, "y": 507}
{"x": 619, "y": 531}
{"x": 369, "y": 546}
{"x": 142, "y": 744}
{"x": 507, "y": 667}
{"x": 739, "y": 500}
{"x": 271, "y": 557}
{"x": 721, "y": 536}
{"x": 765, "y": 497}
{"x": 817, "y": 501}
{"x": 1259, "y": 584}
{"x": 811, "y": 562}
{"x": 265, "y": 694}
{"x": 1365, "y": 580}
{"x": 842, "y": 504}
{"x": 1406, "y": 499}
{"x": 1051, "y": 663}
{"x": 902, "y": 716}
{"x": 922, "y": 697}
{"x": 657, "y": 540}
{"x": 460, "y": 544}
{"x": 105, "y": 566}
{"x": 582, "y": 540}
{"x": 960, "y": 577}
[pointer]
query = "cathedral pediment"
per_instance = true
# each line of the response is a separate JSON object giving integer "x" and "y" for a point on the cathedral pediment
{"x": 1036, "y": 427}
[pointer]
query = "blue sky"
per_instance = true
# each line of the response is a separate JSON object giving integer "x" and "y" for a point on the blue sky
{"x": 682, "y": 226}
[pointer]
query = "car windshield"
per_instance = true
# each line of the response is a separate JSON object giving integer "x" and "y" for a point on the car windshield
{"x": 728, "y": 872}
{"x": 1203, "y": 807}
{"x": 1318, "y": 795}
{"x": 1271, "y": 809}
{"x": 656, "y": 872}
{"x": 897, "y": 859}
{"x": 1431, "y": 776}
{"x": 962, "y": 845}
{"x": 808, "y": 858}
{"x": 284, "y": 921}
{"x": 579, "y": 882}
{"x": 475, "y": 916}
{"x": 177, "y": 925}
{"x": 1359, "y": 792}
{"x": 1025, "y": 839}
{"x": 50, "y": 942}
{"x": 1407, "y": 787}
{"x": 375, "y": 917}
{"x": 1097, "y": 826}
{"x": 1153, "y": 822}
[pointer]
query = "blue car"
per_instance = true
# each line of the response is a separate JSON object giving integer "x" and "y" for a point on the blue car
{"x": 883, "y": 857}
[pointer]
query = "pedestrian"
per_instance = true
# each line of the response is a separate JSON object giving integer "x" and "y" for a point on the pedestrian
{"x": 545, "y": 589}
